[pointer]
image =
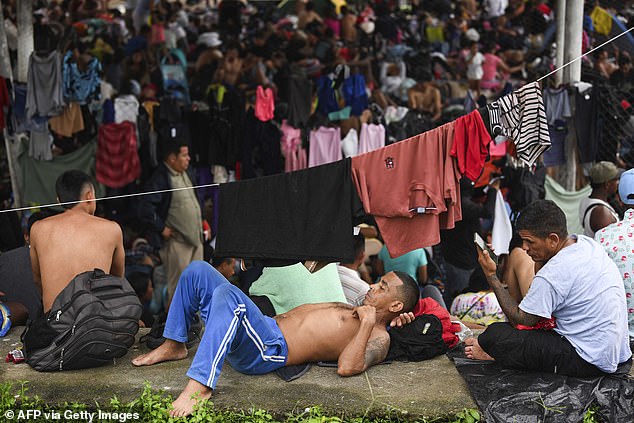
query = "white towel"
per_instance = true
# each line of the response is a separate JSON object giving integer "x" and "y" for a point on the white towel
{"x": 502, "y": 229}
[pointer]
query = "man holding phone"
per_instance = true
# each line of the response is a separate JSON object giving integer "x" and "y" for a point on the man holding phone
{"x": 578, "y": 285}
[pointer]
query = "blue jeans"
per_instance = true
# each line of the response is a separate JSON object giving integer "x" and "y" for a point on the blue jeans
{"x": 235, "y": 328}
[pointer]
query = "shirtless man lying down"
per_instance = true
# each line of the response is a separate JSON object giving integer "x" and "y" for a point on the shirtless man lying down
{"x": 255, "y": 344}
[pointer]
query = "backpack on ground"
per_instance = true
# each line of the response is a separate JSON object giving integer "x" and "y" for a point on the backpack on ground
{"x": 92, "y": 321}
{"x": 417, "y": 341}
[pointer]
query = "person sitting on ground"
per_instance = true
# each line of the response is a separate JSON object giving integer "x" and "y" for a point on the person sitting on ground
{"x": 594, "y": 211}
{"x": 495, "y": 71}
{"x": 479, "y": 305}
{"x": 578, "y": 285}
{"x": 356, "y": 337}
{"x": 73, "y": 242}
{"x": 425, "y": 97}
{"x": 414, "y": 263}
{"x": 226, "y": 266}
{"x": 18, "y": 292}
{"x": 142, "y": 285}
{"x": 354, "y": 288}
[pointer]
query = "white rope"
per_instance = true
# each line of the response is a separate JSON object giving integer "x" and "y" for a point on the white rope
{"x": 585, "y": 54}
{"x": 110, "y": 198}
{"x": 214, "y": 185}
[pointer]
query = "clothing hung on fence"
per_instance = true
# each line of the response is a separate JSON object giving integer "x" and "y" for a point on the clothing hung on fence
{"x": 69, "y": 122}
{"x": 81, "y": 86}
{"x": 325, "y": 146}
{"x": 302, "y": 215}
{"x": 557, "y": 106}
{"x": 350, "y": 143}
{"x": 117, "y": 161}
{"x": 291, "y": 145}
{"x": 264, "y": 104}
{"x": 406, "y": 186}
{"x": 44, "y": 95}
{"x": 372, "y": 137}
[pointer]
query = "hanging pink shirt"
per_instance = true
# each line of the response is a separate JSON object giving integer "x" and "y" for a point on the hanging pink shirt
{"x": 325, "y": 146}
{"x": 264, "y": 104}
{"x": 372, "y": 137}
{"x": 291, "y": 144}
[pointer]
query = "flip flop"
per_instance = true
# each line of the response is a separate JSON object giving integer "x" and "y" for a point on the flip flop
{"x": 5, "y": 321}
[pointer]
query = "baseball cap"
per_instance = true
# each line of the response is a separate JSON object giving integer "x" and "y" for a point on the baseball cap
{"x": 626, "y": 187}
{"x": 602, "y": 172}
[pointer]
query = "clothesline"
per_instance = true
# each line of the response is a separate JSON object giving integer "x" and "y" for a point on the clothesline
{"x": 214, "y": 185}
{"x": 114, "y": 197}
{"x": 584, "y": 54}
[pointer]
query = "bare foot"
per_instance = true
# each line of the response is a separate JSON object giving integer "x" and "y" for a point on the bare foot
{"x": 195, "y": 393}
{"x": 474, "y": 351}
{"x": 168, "y": 351}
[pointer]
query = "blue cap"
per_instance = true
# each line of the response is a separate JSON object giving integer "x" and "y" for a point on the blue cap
{"x": 626, "y": 187}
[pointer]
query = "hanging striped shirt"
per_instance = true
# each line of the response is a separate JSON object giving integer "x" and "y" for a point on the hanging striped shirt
{"x": 523, "y": 120}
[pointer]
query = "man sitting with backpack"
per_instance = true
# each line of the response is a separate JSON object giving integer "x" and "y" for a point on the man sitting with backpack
{"x": 72, "y": 254}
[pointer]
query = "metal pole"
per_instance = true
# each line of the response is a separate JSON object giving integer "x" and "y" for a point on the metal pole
{"x": 560, "y": 14}
{"x": 573, "y": 34}
{"x": 25, "y": 37}
{"x": 572, "y": 73}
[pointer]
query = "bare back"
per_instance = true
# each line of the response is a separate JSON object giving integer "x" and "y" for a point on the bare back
{"x": 73, "y": 242}
{"x": 320, "y": 332}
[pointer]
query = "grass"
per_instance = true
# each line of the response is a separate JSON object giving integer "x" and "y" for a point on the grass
{"x": 152, "y": 407}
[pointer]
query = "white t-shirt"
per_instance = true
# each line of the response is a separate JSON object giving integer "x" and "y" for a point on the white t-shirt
{"x": 474, "y": 68}
{"x": 582, "y": 288}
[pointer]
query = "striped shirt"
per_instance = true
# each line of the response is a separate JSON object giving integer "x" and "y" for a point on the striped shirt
{"x": 523, "y": 120}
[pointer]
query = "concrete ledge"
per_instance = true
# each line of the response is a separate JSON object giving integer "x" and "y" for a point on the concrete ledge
{"x": 429, "y": 389}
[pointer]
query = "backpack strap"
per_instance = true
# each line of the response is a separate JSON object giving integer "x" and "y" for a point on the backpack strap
{"x": 588, "y": 210}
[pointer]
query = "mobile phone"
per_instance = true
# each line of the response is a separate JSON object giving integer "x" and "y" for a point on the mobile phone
{"x": 479, "y": 242}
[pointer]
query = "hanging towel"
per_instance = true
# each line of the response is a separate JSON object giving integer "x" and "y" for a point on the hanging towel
{"x": 302, "y": 215}
{"x": 372, "y": 137}
{"x": 117, "y": 158}
{"x": 126, "y": 109}
{"x": 264, "y": 104}
{"x": 568, "y": 201}
{"x": 39, "y": 176}
{"x": 325, "y": 146}
{"x": 350, "y": 143}
{"x": 502, "y": 229}
{"x": 41, "y": 141}
{"x": 288, "y": 287}
{"x": 69, "y": 122}
{"x": 44, "y": 95}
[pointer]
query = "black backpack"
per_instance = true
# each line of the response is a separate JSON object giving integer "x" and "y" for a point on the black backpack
{"x": 417, "y": 341}
{"x": 92, "y": 321}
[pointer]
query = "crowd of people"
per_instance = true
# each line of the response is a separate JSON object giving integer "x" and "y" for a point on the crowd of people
{"x": 170, "y": 98}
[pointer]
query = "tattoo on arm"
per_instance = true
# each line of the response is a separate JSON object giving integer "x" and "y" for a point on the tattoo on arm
{"x": 509, "y": 306}
{"x": 376, "y": 350}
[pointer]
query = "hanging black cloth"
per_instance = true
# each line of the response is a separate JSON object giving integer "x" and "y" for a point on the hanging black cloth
{"x": 303, "y": 215}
